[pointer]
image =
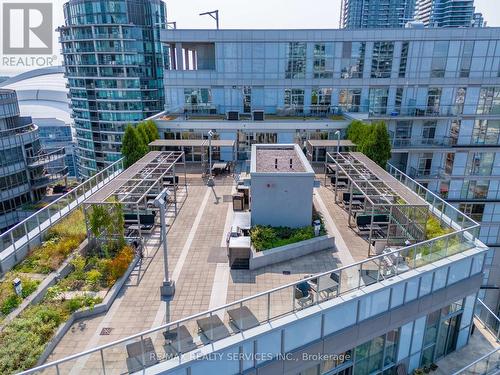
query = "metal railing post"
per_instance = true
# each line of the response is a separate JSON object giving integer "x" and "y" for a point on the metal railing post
{"x": 102, "y": 362}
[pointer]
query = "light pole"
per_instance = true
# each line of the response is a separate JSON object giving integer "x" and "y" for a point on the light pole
{"x": 337, "y": 133}
{"x": 214, "y": 14}
{"x": 210, "y": 181}
{"x": 167, "y": 290}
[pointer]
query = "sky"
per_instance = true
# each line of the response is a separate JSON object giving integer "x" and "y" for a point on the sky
{"x": 258, "y": 14}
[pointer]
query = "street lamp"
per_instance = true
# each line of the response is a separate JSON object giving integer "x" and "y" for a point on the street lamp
{"x": 167, "y": 290}
{"x": 214, "y": 14}
{"x": 210, "y": 181}
{"x": 337, "y": 133}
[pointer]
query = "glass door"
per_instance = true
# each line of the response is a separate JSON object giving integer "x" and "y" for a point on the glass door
{"x": 447, "y": 337}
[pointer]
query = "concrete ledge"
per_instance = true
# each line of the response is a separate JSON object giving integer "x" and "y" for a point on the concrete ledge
{"x": 100, "y": 308}
{"x": 264, "y": 258}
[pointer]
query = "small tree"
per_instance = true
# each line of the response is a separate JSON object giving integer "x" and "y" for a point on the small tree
{"x": 106, "y": 223}
{"x": 133, "y": 147}
{"x": 372, "y": 140}
{"x": 141, "y": 129}
{"x": 356, "y": 131}
{"x": 152, "y": 130}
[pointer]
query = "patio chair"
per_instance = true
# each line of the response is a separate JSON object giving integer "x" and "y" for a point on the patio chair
{"x": 303, "y": 294}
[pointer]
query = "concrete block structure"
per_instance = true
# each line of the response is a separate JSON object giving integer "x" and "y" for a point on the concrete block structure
{"x": 282, "y": 186}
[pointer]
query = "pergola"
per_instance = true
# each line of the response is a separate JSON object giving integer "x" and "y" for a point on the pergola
{"x": 379, "y": 204}
{"x": 136, "y": 188}
{"x": 318, "y": 148}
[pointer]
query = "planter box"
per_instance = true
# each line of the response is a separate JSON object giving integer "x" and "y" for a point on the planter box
{"x": 46, "y": 283}
{"x": 264, "y": 258}
{"x": 100, "y": 308}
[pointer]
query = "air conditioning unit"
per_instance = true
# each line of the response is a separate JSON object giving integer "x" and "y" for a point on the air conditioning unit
{"x": 258, "y": 115}
{"x": 233, "y": 116}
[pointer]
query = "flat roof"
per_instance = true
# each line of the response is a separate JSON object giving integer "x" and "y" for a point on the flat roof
{"x": 192, "y": 143}
{"x": 330, "y": 143}
{"x": 279, "y": 158}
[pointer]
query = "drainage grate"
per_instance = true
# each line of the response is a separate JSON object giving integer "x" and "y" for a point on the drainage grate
{"x": 286, "y": 272}
{"x": 106, "y": 331}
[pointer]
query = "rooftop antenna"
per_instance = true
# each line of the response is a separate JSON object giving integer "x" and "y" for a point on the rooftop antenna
{"x": 214, "y": 14}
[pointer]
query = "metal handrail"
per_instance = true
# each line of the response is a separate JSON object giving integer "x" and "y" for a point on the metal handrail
{"x": 268, "y": 293}
{"x": 462, "y": 370}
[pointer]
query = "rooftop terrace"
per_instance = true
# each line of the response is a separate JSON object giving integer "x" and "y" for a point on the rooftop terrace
{"x": 205, "y": 286}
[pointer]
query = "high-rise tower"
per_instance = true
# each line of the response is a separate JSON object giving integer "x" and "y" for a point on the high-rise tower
{"x": 114, "y": 65}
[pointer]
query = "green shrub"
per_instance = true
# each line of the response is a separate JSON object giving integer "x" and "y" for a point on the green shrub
{"x": 8, "y": 297}
{"x": 267, "y": 237}
{"x": 10, "y": 303}
{"x": 62, "y": 239}
{"x": 93, "y": 279}
{"x": 25, "y": 337}
{"x": 434, "y": 229}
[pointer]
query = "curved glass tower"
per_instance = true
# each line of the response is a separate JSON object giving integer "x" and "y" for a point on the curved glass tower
{"x": 25, "y": 168}
{"x": 114, "y": 64}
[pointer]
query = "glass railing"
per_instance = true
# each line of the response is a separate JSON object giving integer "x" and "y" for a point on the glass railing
{"x": 445, "y": 212}
{"x": 29, "y": 229}
{"x": 183, "y": 336}
{"x": 488, "y": 364}
{"x": 291, "y": 112}
{"x": 488, "y": 319}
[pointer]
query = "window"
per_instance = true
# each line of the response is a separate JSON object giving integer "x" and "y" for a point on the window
{"x": 353, "y": 57}
{"x": 480, "y": 163}
{"x": 439, "y": 57}
{"x": 294, "y": 98}
{"x": 404, "y": 59}
{"x": 383, "y": 53}
{"x": 429, "y": 131}
{"x": 455, "y": 131}
{"x": 474, "y": 189}
{"x": 433, "y": 100}
{"x": 486, "y": 132}
{"x": 194, "y": 98}
{"x": 459, "y": 100}
{"x": 350, "y": 99}
{"x": 377, "y": 354}
{"x": 474, "y": 210}
{"x": 321, "y": 99}
{"x": 323, "y": 60}
{"x": 296, "y": 66}
{"x": 489, "y": 101}
{"x": 378, "y": 100}
{"x": 399, "y": 99}
{"x": 465, "y": 64}
{"x": 247, "y": 99}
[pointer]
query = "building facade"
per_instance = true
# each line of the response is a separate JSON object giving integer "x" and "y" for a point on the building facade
{"x": 438, "y": 90}
{"x": 25, "y": 169}
{"x": 373, "y": 14}
{"x": 114, "y": 65}
{"x": 42, "y": 94}
{"x": 445, "y": 13}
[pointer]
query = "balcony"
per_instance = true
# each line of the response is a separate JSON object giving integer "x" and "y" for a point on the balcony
{"x": 421, "y": 143}
{"x": 428, "y": 173}
{"x": 44, "y": 157}
{"x": 49, "y": 177}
